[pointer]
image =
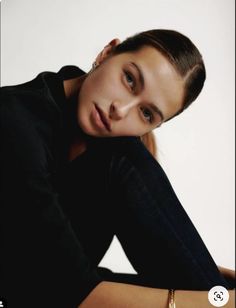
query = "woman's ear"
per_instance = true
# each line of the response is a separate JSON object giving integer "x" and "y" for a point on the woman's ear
{"x": 107, "y": 50}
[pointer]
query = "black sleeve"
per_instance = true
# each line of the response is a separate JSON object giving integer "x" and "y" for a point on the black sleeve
{"x": 42, "y": 261}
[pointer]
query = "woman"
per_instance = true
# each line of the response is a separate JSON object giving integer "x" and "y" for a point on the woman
{"x": 75, "y": 172}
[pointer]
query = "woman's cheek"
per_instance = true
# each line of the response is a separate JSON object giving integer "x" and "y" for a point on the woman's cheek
{"x": 131, "y": 128}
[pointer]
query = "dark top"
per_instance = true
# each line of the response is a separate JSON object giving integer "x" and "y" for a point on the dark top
{"x": 41, "y": 257}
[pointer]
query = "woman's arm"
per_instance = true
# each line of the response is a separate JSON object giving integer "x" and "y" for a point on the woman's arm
{"x": 120, "y": 295}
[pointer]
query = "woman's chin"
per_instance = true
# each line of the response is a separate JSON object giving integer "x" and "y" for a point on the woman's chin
{"x": 85, "y": 127}
{"x": 89, "y": 130}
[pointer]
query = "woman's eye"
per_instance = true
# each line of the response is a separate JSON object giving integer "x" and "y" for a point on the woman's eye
{"x": 148, "y": 115}
{"x": 130, "y": 80}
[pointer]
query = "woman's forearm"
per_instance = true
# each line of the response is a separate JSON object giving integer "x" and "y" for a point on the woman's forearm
{"x": 120, "y": 295}
{"x": 199, "y": 299}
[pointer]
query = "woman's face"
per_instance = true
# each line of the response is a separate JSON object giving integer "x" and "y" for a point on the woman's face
{"x": 129, "y": 94}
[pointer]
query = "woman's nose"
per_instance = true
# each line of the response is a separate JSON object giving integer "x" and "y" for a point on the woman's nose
{"x": 120, "y": 110}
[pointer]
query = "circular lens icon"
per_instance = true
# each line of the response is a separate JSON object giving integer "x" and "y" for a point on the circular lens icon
{"x": 218, "y": 296}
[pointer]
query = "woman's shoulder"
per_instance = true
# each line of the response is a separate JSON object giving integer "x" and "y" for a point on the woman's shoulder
{"x": 29, "y": 115}
{"x": 42, "y": 97}
{"x": 33, "y": 94}
{"x": 24, "y": 109}
{"x": 39, "y": 101}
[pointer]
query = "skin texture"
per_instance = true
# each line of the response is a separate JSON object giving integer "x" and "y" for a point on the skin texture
{"x": 114, "y": 86}
{"x": 116, "y": 89}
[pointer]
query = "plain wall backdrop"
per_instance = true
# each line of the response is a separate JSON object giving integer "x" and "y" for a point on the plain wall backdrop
{"x": 196, "y": 149}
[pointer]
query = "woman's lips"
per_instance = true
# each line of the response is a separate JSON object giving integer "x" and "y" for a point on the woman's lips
{"x": 100, "y": 119}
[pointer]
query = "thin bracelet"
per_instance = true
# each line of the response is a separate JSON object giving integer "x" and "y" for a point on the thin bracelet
{"x": 172, "y": 298}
